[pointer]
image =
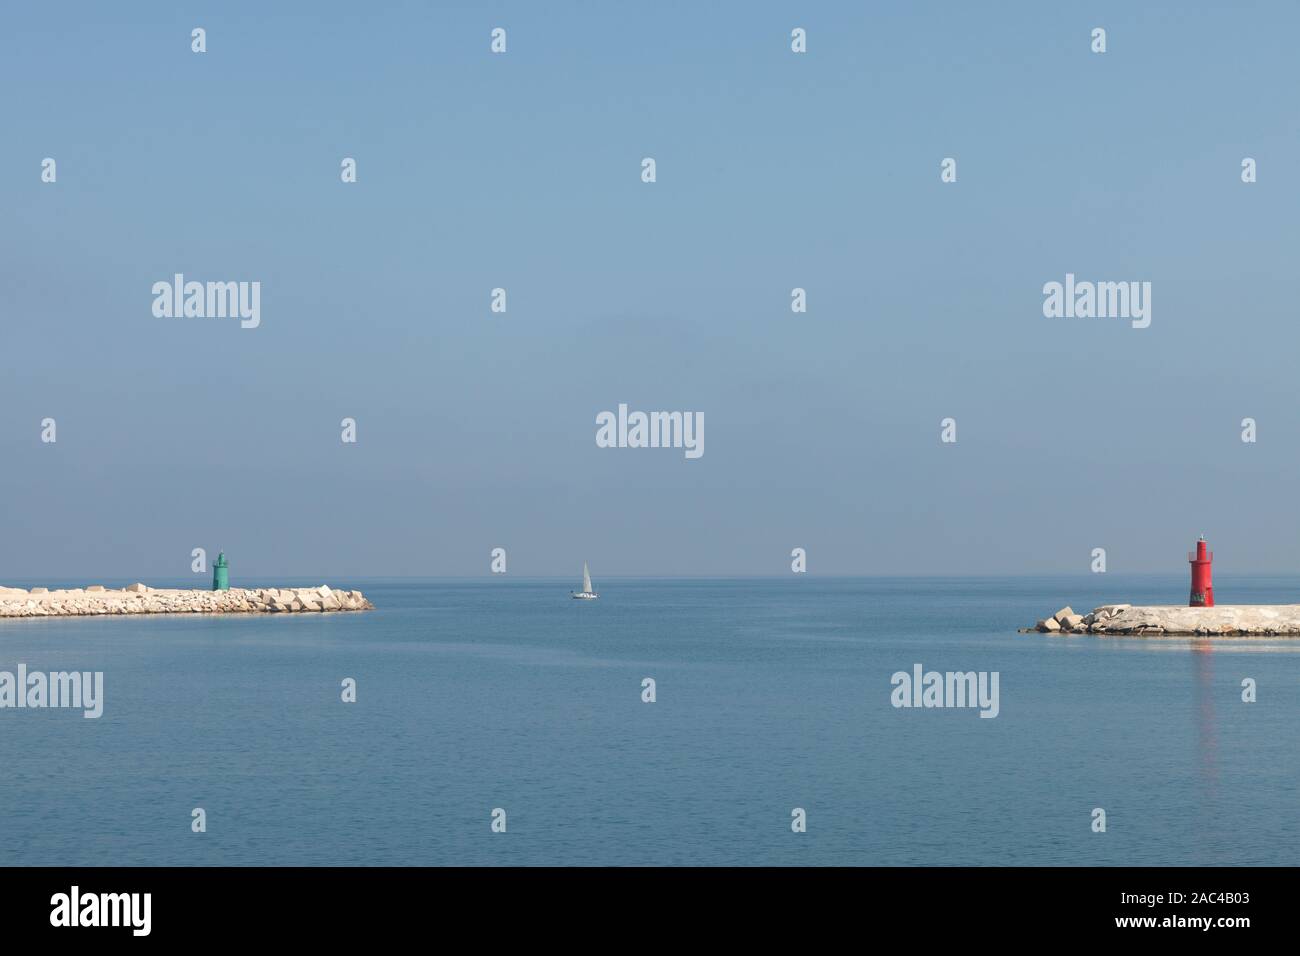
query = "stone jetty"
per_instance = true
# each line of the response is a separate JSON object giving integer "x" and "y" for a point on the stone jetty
{"x": 1128, "y": 620}
{"x": 142, "y": 599}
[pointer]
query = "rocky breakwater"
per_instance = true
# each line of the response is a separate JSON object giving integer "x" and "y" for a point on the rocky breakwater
{"x": 142, "y": 599}
{"x": 1128, "y": 620}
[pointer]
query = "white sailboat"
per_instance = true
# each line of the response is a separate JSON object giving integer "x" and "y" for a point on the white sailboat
{"x": 586, "y": 594}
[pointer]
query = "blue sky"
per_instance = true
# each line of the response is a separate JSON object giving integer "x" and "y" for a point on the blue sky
{"x": 522, "y": 170}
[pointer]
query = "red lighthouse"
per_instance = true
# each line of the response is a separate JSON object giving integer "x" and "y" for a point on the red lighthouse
{"x": 1202, "y": 586}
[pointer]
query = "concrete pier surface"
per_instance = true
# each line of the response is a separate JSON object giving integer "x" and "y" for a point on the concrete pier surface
{"x": 142, "y": 599}
{"x": 1226, "y": 620}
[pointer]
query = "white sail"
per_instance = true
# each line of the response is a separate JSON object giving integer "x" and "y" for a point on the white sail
{"x": 586, "y": 579}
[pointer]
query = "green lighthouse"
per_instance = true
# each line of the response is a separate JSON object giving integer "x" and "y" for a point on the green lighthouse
{"x": 221, "y": 574}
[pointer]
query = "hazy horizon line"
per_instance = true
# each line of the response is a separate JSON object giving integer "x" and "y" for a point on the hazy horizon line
{"x": 197, "y": 579}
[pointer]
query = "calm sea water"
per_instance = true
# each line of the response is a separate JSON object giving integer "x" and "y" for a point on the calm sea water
{"x": 772, "y": 694}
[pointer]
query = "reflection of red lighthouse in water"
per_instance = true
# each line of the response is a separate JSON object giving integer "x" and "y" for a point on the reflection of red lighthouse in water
{"x": 1202, "y": 586}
